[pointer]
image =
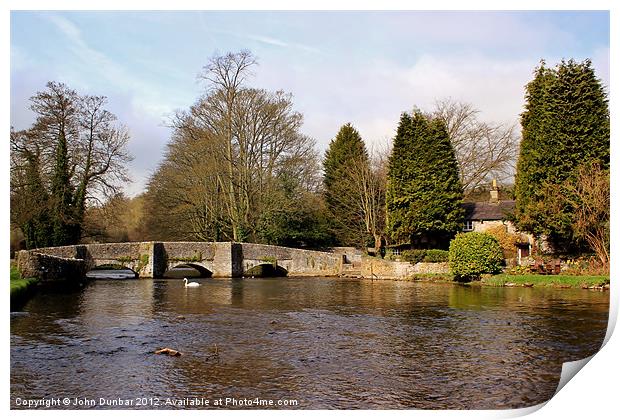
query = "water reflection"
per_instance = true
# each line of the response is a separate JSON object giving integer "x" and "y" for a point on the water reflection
{"x": 121, "y": 273}
{"x": 330, "y": 343}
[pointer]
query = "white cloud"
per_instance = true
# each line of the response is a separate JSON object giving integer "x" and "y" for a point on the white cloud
{"x": 373, "y": 95}
{"x": 277, "y": 42}
{"x": 493, "y": 86}
{"x": 96, "y": 65}
{"x": 268, "y": 40}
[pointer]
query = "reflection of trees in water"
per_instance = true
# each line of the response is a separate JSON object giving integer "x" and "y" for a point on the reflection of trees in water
{"x": 172, "y": 297}
{"x": 106, "y": 302}
{"x": 53, "y": 303}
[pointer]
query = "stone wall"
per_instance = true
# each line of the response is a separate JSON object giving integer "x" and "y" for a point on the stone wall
{"x": 352, "y": 254}
{"x": 431, "y": 268}
{"x": 260, "y": 251}
{"x": 48, "y": 268}
{"x": 378, "y": 268}
{"x": 70, "y": 251}
{"x": 315, "y": 263}
{"x": 108, "y": 251}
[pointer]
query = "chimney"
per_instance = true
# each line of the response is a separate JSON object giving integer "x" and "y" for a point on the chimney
{"x": 494, "y": 193}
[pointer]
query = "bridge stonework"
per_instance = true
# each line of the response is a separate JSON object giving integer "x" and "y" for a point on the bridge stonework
{"x": 153, "y": 259}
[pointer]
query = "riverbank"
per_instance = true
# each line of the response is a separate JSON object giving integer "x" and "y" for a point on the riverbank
{"x": 525, "y": 280}
{"x": 21, "y": 288}
{"x": 539, "y": 280}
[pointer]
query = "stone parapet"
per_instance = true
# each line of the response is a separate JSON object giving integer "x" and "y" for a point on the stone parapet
{"x": 49, "y": 268}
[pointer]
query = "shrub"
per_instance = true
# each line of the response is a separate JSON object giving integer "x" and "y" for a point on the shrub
{"x": 473, "y": 254}
{"x": 389, "y": 255}
{"x": 424, "y": 255}
{"x": 507, "y": 241}
{"x": 436, "y": 255}
{"x": 413, "y": 256}
{"x": 584, "y": 265}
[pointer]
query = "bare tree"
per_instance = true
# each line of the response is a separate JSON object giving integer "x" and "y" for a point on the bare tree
{"x": 364, "y": 197}
{"x": 230, "y": 154}
{"x": 483, "y": 151}
{"x": 100, "y": 153}
{"x": 370, "y": 183}
{"x": 75, "y": 151}
{"x": 226, "y": 74}
{"x": 589, "y": 196}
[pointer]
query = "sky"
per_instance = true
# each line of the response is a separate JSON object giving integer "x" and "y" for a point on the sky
{"x": 362, "y": 67}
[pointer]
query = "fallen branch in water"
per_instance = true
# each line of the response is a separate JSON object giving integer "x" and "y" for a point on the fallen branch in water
{"x": 169, "y": 352}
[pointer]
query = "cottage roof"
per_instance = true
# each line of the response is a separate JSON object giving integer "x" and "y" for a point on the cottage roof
{"x": 484, "y": 210}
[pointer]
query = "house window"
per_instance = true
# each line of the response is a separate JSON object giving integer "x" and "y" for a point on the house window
{"x": 468, "y": 225}
{"x": 396, "y": 251}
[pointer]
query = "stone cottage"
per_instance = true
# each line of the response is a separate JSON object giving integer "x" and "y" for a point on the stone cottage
{"x": 483, "y": 215}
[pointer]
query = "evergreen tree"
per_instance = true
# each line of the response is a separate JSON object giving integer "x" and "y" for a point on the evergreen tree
{"x": 346, "y": 221}
{"x": 36, "y": 226}
{"x": 565, "y": 125}
{"x": 65, "y": 229}
{"x": 424, "y": 194}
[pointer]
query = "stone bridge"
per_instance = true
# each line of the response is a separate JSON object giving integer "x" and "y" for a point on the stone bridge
{"x": 153, "y": 259}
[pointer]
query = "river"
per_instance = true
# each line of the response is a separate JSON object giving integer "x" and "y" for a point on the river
{"x": 321, "y": 342}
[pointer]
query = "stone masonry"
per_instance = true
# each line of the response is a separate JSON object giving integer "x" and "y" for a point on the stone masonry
{"x": 153, "y": 259}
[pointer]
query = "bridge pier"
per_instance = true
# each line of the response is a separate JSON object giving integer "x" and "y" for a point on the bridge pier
{"x": 155, "y": 265}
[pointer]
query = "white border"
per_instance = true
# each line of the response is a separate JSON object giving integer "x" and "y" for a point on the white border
{"x": 591, "y": 395}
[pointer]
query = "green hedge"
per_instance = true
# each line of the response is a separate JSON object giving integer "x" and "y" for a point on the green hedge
{"x": 425, "y": 255}
{"x": 473, "y": 254}
{"x": 436, "y": 255}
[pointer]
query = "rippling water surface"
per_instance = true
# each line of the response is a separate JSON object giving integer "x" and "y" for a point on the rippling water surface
{"x": 327, "y": 343}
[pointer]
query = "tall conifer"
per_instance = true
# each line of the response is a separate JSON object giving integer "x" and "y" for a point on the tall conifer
{"x": 424, "y": 194}
{"x": 345, "y": 150}
{"x": 565, "y": 124}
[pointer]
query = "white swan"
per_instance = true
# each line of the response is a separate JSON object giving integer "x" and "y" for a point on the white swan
{"x": 192, "y": 284}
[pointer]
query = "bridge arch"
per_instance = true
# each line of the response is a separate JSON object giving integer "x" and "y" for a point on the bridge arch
{"x": 266, "y": 270}
{"x": 201, "y": 269}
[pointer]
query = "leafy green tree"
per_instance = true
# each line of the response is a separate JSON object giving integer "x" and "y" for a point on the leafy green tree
{"x": 346, "y": 153}
{"x": 301, "y": 223}
{"x": 424, "y": 194}
{"x": 565, "y": 125}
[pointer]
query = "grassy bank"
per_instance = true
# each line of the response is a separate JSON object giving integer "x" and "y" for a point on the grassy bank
{"x": 433, "y": 277}
{"x": 539, "y": 280}
{"x": 530, "y": 280}
{"x": 20, "y": 287}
